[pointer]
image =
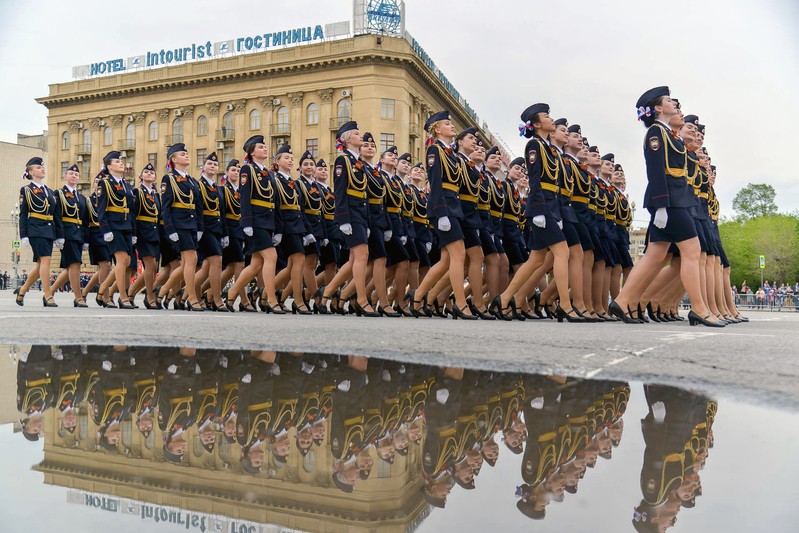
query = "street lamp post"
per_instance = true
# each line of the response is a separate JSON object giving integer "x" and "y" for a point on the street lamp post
{"x": 15, "y": 257}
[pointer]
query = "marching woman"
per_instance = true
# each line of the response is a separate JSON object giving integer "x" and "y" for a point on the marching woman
{"x": 330, "y": 254}
{"x": 215, "y": 234}
{"x": 147, "y": 210}
{"x": 445, "y": 177}
{"x": 512, "y": 213}
{"x": 668, "y": 196}
{"x": 312, "y": 214}
{"x": 233, "y": 253}
{"x": 497, "y": 265}
{"x": 70, "y": 233}
{"x": 351, "y": 216}
{"x": 37, "y": 228}
{"x": 114, "y": 211}
{"x": 543, "y": 211}
{"x": 398, "y": 261}
{"x": 98, "y": 248}
{"x": 421, "y": 227}
{"x": 182, "y": 211}
{"x": 258, "y": 197}
{"x": 291, "y": 230}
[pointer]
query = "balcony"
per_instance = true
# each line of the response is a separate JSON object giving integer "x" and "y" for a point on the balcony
{"x": 127, "y": 145}
{"x": 415, "y": 131}
{"x": 173, "y": 139}
{"x": 281, "y": 129}
{"x": 225, "y": 135}
{"x": 336, "y": 123}
{"x": 83, "y": 149}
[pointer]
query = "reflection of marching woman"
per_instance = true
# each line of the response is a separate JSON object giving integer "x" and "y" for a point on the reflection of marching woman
{"x": 36, "y": 228}
{"x": 668, "y": 197}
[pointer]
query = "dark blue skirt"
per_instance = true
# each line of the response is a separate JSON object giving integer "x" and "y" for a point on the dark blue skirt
{"x": 542, "y": 238}
{"x": 487, "y": 242}
{"x": 98, "y": 253}
{"x": 123, "y": 242}
{"x": 234, "y": 253}
{"x": 291, "y": 244}
{"x": 187, "y": 240}
{"x": 377, "y": 246}
{"x": 71, "y": 253}
{"x": 454, "y": 234}
{"x": 41, "y": 246}
{"x": 571, "y": 233}
{"x": 396, "y": 251}
{"x": 261, "y": 240}
{"x": 148, "y": 249}
{"x": 679, "y": 227}
{"x": 330, "y": 254}
{"x": 210, "y": 245}
{"x": 357, "y": 237}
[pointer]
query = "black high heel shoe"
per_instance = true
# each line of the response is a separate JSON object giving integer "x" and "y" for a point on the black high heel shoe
{"x": 300, "y": 310}
{"x": 20, "y": 299}
{"x": 125, "y": 304}
{"x": 561, "y": 314}
{"x": 402, "y": 311}
{"x": 537, "y": 306}
{"x": 641, "y": 316}
{"x": 495, "y": 307}
{"x": 388, "y": 311}
{"x": 741, "y": 318}
{"x": 458, "y": 312}
{"x": 694, "y": 319}
{"x": 227, "y": 303}
{"x": 549, "y": 314}
{"x": 150, "y": 305}
{"x": 247, "y": 308}
{"x": 317, "y": 298}
{"x": 482, "y": 315}
{"x": 79, "y": 303}
{"x": 221, "y": 308}
{"x": 48, "y": 302}
{"x": 360, "y": 311}
{"x": 652, "y": 316}
{"x": 615, "y": 310}
{"x": 197, "y": 308}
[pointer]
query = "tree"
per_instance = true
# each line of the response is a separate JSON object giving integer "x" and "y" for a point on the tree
{"x": 774, "y": 236}
{"x": 755, "y": 200}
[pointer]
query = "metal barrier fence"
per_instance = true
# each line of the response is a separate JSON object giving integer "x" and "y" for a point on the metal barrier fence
{"x": 770, "y": 302}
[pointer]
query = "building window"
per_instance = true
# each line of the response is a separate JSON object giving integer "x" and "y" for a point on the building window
{"x": 153, "y": 160}
{"x": 130, "y": 133}
{"x": 313, "y": 114}
{"x": 65, "y": 140}
{"x": 177, "y": 127}
{"x": 152, "y": 130}
{"x": 386, "y": 141}
{"x": 255, "y": 120}
{"x": 312, "y": 145}
{"x": 87, "y": 138}
{"x": 283, "y": 115}
{"x": 201, "y": 155}
{"x": 343, "y": 109}
{"x": 387, "y": 108}
{"x": 64, "y": 167}
{"x": 202, "y": 126}
{"x": 227, "y": 121}
{"x": 108, "y": 136}
{"x": 227, "y": 154}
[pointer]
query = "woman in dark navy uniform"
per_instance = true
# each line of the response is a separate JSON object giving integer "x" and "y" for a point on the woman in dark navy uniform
{"x": 314, "y": 222}
{"x": 291, "y": 229}
{"x": 182, "y": 211}
{"x": 115, "y": 211}
{"x": 330, "y": 254}
{"x": 71, "y": 236}
{"x": 258, "y": 197}
{"x": 668, "y": 197}
{"x": 351, "y": 216}
{"x": 496, "y": 274}
{"x": 543, "y": 211}
{"x": 512, "y": 238}
{"x": 233, "y": 253}
{"x": 98, "y": 248}
{"x": 445, "y": 212}
{"x": 423, "y": 241}
{"x": 215, "y": 234}
{"x": 398, "y": 259}
{"x": 37, "y": 228}
{"x": 147, "y": 210}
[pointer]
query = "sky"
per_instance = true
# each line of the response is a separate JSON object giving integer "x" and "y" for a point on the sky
{"x": 734, "y": 63}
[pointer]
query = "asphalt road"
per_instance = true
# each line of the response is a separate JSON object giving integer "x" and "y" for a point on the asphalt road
{"x": 755, "y": 362}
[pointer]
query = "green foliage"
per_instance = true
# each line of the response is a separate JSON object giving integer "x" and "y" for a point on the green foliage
{"x": 775, "y": 236}
{"x": 755, "y": 200}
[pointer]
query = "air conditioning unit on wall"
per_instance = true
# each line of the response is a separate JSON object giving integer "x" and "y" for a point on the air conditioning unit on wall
{"x": 346, "y": 93}
{"x": 230, "y": 107}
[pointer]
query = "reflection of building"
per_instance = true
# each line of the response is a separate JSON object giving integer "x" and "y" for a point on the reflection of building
{"x": 637, "y": 243}
{"x": 12, "y": 164}
{"x": 8, "y": 383}
{"x": 298, "y": 95}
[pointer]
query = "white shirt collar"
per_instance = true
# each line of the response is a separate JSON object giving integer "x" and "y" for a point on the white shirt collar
{"x": 284, "y": 175}
{"x": 355, "y": 155}
{"x": 70, "y": 189}
{"x": 208, "y": 180}
{"x": 664, "y": 124}
{"x": 182, "y": 174}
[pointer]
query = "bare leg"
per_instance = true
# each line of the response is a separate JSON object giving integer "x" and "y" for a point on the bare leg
{"x": 576, "y": 261}
{"x": 475, "y": 256}
{"x": 588, "y": 263}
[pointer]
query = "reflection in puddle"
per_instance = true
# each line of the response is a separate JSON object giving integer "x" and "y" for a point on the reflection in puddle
{"x": 225, "y": 440}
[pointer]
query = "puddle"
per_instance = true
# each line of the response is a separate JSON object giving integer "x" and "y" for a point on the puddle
{"x": 115, "y": 438}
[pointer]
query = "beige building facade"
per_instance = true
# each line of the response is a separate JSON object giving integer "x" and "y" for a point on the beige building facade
{"x": 296, "y": 95}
